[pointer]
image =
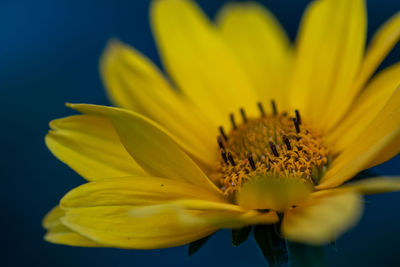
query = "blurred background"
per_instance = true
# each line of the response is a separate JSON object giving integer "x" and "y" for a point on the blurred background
{"x": 49, "y": 52}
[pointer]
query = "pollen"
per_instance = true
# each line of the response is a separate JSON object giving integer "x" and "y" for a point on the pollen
{"x": 276, "y": 145}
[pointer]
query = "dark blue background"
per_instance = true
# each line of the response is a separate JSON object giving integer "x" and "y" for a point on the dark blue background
{"x": 49, "y": 53}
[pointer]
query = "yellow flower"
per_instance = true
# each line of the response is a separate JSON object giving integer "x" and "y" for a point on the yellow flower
{"x": 158, "y": 177}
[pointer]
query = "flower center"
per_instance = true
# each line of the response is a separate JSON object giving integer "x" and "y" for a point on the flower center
{"x": 272, "y": 145}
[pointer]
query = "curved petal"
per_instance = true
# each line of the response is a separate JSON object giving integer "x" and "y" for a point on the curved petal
{"x": 65, "y": 236}
{"x": 133, "y": 82}
{"x": 374, "y": 185}
{"x": 324, "y": 216}
{"x": 379, "y": 142}
{"x": 52, "y": 218}
{"x": 91, "y": 147}
{"x": 60, "y": 234}
{"x": 134, "y": 191}
{"x": 113, "y": 226}
{"x": 327, "y": 61}
{"x": 261, "y": 45}
{"x": 152, "y": 147}
{"x": 211, "y": 213}
{"x": 365, "y": 109}
{"x": 156, "y": 226}
{"x": 381, "y": 44}
{"x": 199, "y": 61}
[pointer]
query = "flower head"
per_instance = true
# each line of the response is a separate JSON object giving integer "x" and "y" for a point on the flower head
{"x": 251, "y": 130}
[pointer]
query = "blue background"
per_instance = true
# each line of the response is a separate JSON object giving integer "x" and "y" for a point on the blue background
{"x": 49, "y": 53}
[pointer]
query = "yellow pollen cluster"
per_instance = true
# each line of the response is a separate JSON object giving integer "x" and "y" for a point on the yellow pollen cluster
{"x": 271, "y": 145}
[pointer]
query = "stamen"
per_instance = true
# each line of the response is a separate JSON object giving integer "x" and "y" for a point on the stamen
{"x": 221, "y": 130}
{"x": 251, "y": 161}
{"x": 270, "y": 145}
{"x": 243, "y": 115}
{"x": 296, "y": 125}
{"x": 219, "y": 140}
{"x": 232, "y": 116}
{"x": 261, "y": 108}
{"x": 223, "y": 154}
{"x": 273, "y": 149}
{"x": 287, "y": 142}
{"x": 230, "y": 158}
{"x": 298, "y": 118}
{"x": 274, "y": 109}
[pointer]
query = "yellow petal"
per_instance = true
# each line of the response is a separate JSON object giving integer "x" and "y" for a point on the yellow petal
{"x": 366, "y": 107}
{"x": 140, "y": 192}
{"x": 63, "y": 235}
{"x": 329, "y": 53}
{"x": 273, "y": 193}
{"x": 220, "y": 215}
{"x": 133, "y": 82}
{"x": 261, "y": 45}
{"x": 52, "y": 218}
{"x": 134, "y": 191}
{"x": 375, "y": 185}
{"x": 379, "y": 142}
{"x": 158, "y": 226}
{"x": 114, "y": 226}
{"x": 60, "y": 234}
{"x": 151, "y": 146}
{"x": 91, "y": 147}
{"x": 381, "y": 44}
{"x": 323, "y": 217}
{"x": 199, "y": 61}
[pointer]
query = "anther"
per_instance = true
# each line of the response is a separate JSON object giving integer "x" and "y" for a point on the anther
{"x": 230, "y": 158}
{"x": 251, "y": 161}
{"x": 219, "y": 140}
{"x": 233, "y": 121}
{"x": 296, "y": 125}
{"x": 298, "y": 118}
{"x": 261, "y": 108}
{"x": 221, "y": 130}
{"x": 287, "y": 142}
{"x": 243, "y": 115}
{"x": 274, "y": 109}
{"x": 273, "y": 149}
{"x": 224, "y": 157}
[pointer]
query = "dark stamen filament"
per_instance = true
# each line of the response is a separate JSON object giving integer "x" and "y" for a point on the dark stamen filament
{"x": 273, "y": 149}
{"x": 287, "y": 142}
{"x": 261, "y": 108}
{"x": 251, "y": 161}
{"x": 221, "y": 130}
{"x": 243, "y": 115}
{"x": 223, "y": 154}
{"x": 296, "y": 125}
{"x": 298, "y": 118}
{"x": 219, "y": 140}
{"x": 230, "y": 158}
{"x": 233, "y": 121}
{"x": 274, "y": 109}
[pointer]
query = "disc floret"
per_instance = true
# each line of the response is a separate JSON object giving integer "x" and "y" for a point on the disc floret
{"x": 275, "y": 145}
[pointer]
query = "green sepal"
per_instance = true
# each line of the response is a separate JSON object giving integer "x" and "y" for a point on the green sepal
{"x": 333, "y": 245}
{"x": 302, "y": 255}
{"x": 240, "y": 235}
{"x": 196, "y": 245}
{"x": 272, "y": 245}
